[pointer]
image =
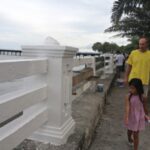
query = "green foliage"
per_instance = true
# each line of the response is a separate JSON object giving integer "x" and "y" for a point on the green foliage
{"x": 131, "y": 18}
{"x": 132, "y": 45}
{"x": 105, "y": 47}
{"x": 97, "y": 46}
{"x": 113, "y": 47}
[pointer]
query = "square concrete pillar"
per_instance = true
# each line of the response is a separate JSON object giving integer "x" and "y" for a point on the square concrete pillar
{"x": 59, "y": 79}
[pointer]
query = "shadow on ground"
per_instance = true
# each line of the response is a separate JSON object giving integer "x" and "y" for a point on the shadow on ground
{"x": 110, "y": 133}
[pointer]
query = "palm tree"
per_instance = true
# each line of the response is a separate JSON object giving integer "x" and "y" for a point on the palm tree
{"x": 121, "y": 7}
{"x": 131, "y": 18}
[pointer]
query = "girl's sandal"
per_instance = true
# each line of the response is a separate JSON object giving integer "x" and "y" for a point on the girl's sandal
{"x": 130, "y": 143}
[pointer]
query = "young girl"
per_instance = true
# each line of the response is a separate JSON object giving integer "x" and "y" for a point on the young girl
{"x": 135, "y": 111}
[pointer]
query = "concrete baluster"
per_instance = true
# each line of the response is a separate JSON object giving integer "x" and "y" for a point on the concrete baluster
{"x": 60, "y": 62}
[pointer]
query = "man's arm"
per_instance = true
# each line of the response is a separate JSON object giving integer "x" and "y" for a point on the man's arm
{"x": 127, "y": 72}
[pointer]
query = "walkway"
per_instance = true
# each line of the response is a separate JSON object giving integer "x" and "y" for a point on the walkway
{"x": 110, "y": 133}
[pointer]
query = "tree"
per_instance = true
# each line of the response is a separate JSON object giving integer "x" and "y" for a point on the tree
{"x": 105, "y": 47}
{"x": 97, "y": 46}
{"x": 131, "y": 18}
{"x": 134, "y": 41}
{"x": 114, "y": 47}
{"x": 127, "y": 7}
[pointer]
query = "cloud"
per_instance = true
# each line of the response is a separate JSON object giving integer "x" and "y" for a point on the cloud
{"x": 76, "y": 23}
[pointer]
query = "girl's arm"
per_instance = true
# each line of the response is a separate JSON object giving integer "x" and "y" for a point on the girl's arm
{"x": 145, "y": 105}
{"x": 127, "y": 107}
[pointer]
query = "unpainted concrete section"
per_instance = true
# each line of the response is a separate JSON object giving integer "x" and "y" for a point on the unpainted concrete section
{"x": 86, "y": 111}
{"x": 111, "y": 132}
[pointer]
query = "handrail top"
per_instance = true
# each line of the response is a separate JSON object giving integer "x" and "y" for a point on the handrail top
{"x": 22, "y": 59}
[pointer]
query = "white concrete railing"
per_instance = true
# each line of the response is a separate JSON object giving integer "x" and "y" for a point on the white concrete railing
{"x": 59, "y": 79}
{"x": 21, "y": 91}
{"x": 102, "y": 67}
{"x": 109, "y": 66}
{"x": 96, "y": 63}
{"x": 36, "y": 95}
{"x": 82, "y": 84}
{"x": 9, "y": 52}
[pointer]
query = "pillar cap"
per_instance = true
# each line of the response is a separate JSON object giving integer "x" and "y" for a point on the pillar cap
{"x": 50, "y": 48}
{"x": 51, "y": 41}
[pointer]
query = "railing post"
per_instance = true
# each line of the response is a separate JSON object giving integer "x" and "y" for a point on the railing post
{"x": 109, "y": 68}
{"x": 60, "y": 62}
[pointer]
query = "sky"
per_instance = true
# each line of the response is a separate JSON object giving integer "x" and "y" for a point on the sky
{"x": 77, "y": 23}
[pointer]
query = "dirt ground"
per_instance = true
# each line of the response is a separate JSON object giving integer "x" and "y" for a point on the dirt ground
{"x": 111, "y": 133}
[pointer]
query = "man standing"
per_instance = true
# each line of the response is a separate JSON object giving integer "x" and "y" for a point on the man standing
{"x": 138, "y": 64}
{"x": 119, "y": 63}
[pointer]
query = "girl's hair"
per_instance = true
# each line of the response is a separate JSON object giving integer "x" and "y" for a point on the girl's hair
{"x": 137, "y": 83}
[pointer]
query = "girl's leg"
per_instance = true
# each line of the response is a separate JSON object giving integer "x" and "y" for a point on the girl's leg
{"x": 136, "y": 140}
{"x": 130, "y": 133}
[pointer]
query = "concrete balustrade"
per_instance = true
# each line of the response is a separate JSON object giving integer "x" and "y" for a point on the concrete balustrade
{"x": 109, "y": 65}
{"x": 23, "y": 94}
{"x": 96, "y": 63}
{"x": 40, "y": 108}
{"x": 15, "y": 69}
{"x": 94, "y": 67}
{"x": 10, "y": 52}
{"x": 59, "y": 79}
{"x": 36, "y": 92}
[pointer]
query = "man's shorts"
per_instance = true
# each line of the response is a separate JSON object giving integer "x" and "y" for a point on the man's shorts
{"x": 119, "y": 68}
